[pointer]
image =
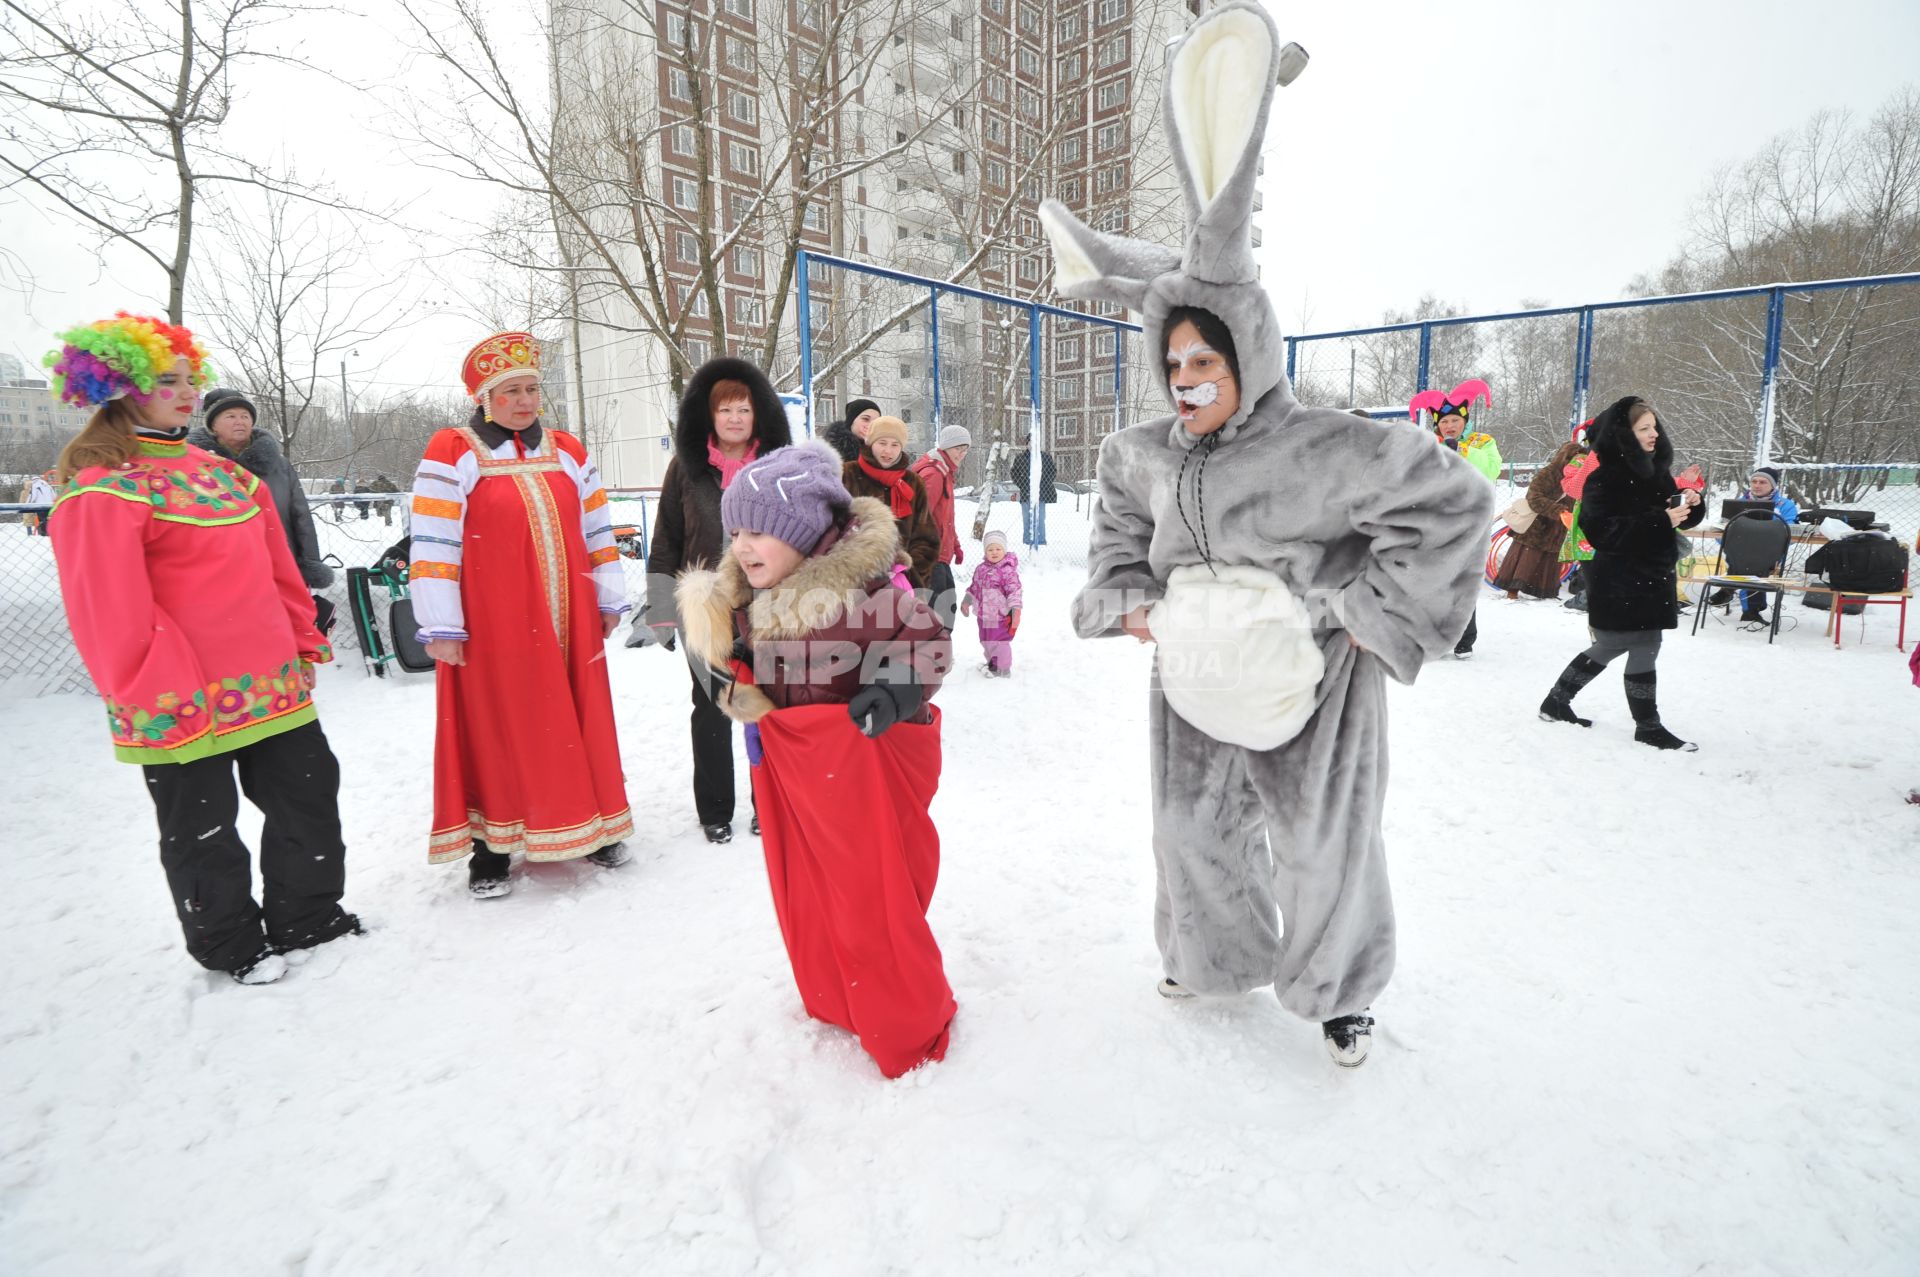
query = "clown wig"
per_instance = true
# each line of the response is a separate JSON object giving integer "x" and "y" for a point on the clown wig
{"x": 122, "y": 356}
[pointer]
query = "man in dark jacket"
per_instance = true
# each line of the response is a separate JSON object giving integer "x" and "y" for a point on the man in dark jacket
{"x": 1034, "y": 498}
{"x": 229, "y": 432}
{"x": 688, "y": 533}
{"x": 847, "y": 434}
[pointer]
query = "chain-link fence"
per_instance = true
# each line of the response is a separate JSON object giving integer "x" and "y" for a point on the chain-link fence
{"x": 37, "y": 656}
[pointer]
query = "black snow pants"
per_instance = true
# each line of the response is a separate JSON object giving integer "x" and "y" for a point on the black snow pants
{"x": 294, "y": 780}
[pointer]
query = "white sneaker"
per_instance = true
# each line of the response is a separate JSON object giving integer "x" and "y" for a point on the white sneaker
{"x": 611, "y": 857}
{"x": 1169, "y": 989}
{"x": 264, "y": 970}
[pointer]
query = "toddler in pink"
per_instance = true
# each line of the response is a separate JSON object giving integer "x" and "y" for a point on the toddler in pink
{"x": 995, "y": 592}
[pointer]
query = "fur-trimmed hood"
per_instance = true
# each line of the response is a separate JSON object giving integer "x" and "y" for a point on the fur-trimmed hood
{"x": 1612, "y": 438}
{"x": 815, "y": 596}
{"x": 694, "y": 424}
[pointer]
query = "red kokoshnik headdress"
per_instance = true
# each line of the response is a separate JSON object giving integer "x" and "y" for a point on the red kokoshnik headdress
{"x": 499, "y": 357}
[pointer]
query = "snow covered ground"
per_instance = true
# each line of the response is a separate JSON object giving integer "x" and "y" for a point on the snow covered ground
{"x": 1654, "y": 1013}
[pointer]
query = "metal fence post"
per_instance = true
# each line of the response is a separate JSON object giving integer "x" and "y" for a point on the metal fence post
{"x": 806, "y": 335}
{"x": 1763, "y": 426}
{"x": 1119, "y": 379}
{"x": 1582, "y": 367}
{"x": 1033, "y": 375}
{"x": 1292, "y": 349}
{"x": 1426, "y": 354}
{"x": 934, "y": 337}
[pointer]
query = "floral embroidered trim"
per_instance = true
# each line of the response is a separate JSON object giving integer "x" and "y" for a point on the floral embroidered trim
{"x": 226, "y": 705}
{"x": 595, "y": 501}
{"x": 207, "y": 493}
{"x": 609, "y": 555}
{"x": 429, "y": 568}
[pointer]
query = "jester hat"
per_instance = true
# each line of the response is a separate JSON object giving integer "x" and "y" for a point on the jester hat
{"x": 122, "y": 356}
{"x": 1455, "y": 403}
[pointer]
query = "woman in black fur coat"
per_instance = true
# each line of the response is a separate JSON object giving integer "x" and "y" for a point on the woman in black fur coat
{"x": 1631, "y": 513}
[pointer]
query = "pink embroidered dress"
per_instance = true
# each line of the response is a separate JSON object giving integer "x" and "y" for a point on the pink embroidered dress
{"x": 185, "y": 604}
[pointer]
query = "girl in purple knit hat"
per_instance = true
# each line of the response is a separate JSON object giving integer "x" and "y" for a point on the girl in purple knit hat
{"x": 995, "y": 591}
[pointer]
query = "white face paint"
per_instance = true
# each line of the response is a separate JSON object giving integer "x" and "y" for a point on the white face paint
{"x": 1205, "y": 392}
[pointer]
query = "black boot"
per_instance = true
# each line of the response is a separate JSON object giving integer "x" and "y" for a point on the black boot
{"x": 1644, "y": 704}
{"x": 487, "y": 873}
{"x": 1558, "y": 707}
{"x": 719, "y": 832}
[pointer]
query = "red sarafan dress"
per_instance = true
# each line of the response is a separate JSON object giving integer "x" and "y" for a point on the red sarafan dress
{"x": 513, "y": 552}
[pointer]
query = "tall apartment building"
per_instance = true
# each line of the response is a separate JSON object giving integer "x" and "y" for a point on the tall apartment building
{"x": 957, "y": 119}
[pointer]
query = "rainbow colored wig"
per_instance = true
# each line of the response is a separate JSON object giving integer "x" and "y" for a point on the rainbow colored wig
{"x": 124, "y": 355}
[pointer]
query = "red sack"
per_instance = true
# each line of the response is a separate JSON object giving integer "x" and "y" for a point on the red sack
{"x": 852, "y": 857}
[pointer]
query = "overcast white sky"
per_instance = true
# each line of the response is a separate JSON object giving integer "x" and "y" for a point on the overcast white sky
{"x": 1595, "y": 124}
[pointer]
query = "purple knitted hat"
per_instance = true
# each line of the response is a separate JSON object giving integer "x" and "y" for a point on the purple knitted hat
{"x": 792, "y": 493}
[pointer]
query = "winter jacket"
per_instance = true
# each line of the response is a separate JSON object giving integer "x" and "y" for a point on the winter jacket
{"x": 185, "y": 604}
{"x": 995, "y": 591}
{"x": 1548, "y": 499}
{"x": 1785, "y": 508}
{"x": 687, "y": 531}
{"x": 1023, "y": 477}
{"x": 936, "y": 475}
{"x": 1481, "y": 452}
{"x": 1631, "y": 581}
{"x": 919, "y": 538}
{"x": 263, "y": 457}
{"x": 799, "y": 642}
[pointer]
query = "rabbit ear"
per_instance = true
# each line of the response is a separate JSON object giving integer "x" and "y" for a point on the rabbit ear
{"x": 1089, "y": 264}
{"x": 1220, "y": 86}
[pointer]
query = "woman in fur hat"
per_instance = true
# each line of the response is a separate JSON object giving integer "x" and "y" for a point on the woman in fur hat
{"x": 807, "y": 640}
{"x": 1280, "y": 587}
{"x": 881, "y": 472}
{"x": 1630, "y": 509}
{"x": 728, "y": 416}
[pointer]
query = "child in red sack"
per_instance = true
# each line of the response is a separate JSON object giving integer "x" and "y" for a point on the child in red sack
{"x": 995, "y": 592}
{"x": 807, "y": 640}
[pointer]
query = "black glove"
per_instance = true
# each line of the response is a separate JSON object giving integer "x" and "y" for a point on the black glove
{"x": 879, "y": 706}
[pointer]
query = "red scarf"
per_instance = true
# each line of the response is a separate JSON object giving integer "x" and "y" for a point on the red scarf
{"x": 729, "y": 467}
{"x": 899, "y": 491}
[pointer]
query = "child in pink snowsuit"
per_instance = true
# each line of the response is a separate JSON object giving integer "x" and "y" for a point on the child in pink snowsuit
{"x": 995, "y": 591}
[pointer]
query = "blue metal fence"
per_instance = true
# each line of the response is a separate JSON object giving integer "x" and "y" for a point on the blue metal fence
{"x": 1583, "y": 350}
{"x": 1035, "y": 312}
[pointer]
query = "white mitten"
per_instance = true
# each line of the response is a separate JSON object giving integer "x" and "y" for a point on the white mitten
{"x": 1236, "y": 657}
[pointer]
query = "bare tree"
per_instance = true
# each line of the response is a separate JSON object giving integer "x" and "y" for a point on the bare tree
{"x": 289, "y": 296}
{"x": 1832, "y": 199}
{"x": 113, "y": 119}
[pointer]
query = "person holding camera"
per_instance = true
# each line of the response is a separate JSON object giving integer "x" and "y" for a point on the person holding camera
{"x": 1631, "y": 511}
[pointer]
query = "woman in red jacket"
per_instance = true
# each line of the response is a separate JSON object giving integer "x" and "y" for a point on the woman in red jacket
{"x": 192, "y": 618}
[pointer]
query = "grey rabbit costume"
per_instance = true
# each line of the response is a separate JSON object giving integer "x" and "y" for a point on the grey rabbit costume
{"x": 1359, "y": 534}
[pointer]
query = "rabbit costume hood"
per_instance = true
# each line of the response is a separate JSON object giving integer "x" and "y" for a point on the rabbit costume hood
{"x": 1216, "y": 127}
